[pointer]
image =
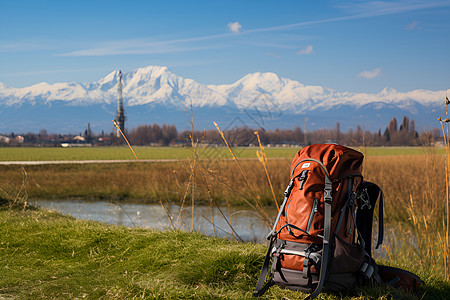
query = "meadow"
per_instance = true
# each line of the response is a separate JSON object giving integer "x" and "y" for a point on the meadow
{"x": 49, "y": 256}
{"x": 124, "y": 153}
{"x": 413, "y": 181}
{"x": 208, "y": 152}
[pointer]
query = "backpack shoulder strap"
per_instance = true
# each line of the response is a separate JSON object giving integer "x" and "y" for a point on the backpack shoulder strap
{"x": 380, "y": 219}
{"x": 368, "y": 194}
{"x": 326, "y": 237}
{"x": 260, "y": 289}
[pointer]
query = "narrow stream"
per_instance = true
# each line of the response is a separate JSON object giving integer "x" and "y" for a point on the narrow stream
{"x": 247, "y": 224}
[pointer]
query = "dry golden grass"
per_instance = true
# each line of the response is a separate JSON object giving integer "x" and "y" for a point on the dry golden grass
{"x": 416, "y": 178}
{"x": 416, "y": 182}
{"x": 414, "y": 188}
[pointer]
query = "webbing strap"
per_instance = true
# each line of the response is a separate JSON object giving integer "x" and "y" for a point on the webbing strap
{"x": 287, "y": 193}
{"x": 393, "y": 281}
{"x": 347, "y": 203}
{"x": 327, "y": 174}
{"x": 303, "y": 174}
{"x": 293, "y": 226}
{"x": 260, "y": 289}
{"x": 326, "y": 238}
{"x": 380, "y": 220}
{"x": 263, "y": 289}
{"x": 302, "y": 179}
{"x": 301, "y": 182}
{"x": 305, "y": 267}
{"x": 369, "y": 271}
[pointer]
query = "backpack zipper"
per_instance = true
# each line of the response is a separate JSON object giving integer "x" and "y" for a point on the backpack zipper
{"x": 314, "y": 210}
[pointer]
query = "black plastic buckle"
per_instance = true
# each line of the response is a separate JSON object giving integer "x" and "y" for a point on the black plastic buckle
{"x": 327, "y": 198}
{"x": 352, "y": 199}
{"x": 302, "y": 179}
{"x": 287, "y": 192}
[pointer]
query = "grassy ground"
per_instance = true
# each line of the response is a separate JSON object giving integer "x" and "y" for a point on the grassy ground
{"x": 48, "y": 256}
{"x": 413, "y": 182}
{"x": 121, "y": 153}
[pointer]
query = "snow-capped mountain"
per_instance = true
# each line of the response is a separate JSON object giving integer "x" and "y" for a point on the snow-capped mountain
{"x": 142, "y": 86}
{"x": 154, "y": 94}
{"x": 295, "y": 95}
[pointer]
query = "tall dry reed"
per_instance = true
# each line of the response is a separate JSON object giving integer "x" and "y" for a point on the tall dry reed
{"x": 140, "y": 164}
{"x": 414, "y": 212}
{"x": 445, "y": 134}
{"x": 256, "y": 203}
{"x": 263, "y": 160}
{"x": 15, "y": 195}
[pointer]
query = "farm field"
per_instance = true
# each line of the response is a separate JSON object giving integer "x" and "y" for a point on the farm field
{"x": 124, "y": 153}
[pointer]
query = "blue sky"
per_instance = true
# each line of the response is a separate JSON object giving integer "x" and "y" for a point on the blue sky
{"x": 355, "y": 46}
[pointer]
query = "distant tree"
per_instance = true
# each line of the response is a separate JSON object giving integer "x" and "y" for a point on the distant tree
{"x": 168, "y": 134}
{"x": 338, "y": 132}
{"x": 297, "y": 134}
{"x": 405, "y": 124}
{"x": 42, "y": 132}
{"x": 392, "y": 127}
{"x": 412, "y": 127}
{"x": 387, "y": 135}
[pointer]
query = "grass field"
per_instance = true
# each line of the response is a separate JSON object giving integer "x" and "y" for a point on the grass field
{"x": 413, "y": 181}
{"x": 45, "y": 255}
{"x": 124, "y": 153}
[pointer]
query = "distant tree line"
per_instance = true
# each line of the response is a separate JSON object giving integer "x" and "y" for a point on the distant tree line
{"x": 395, "y": 134}
{"x": 404, "y": 134}
{"x": 153, "y": 134}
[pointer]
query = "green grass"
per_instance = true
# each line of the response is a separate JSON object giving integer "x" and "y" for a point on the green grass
{"x": 124, "y": 153}
{"x": 385, "y": 151}
{"x": 45, "y": 255}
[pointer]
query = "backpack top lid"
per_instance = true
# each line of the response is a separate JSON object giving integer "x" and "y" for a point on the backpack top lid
{"x": 340, "y": 161}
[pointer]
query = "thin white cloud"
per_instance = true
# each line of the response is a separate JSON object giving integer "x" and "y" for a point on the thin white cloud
{"x": 370, "y": 74}
{"x": 26, "y": 46}
{"x": 389, "y": 7}
{"x": 412, "y": 25}
{"x": 273, "y": 54}
{"x": 234, "y": 27}
{"x": 268, "y": 45}
{"x": 360, "y": 11}
{"x": 141, "y": 47}
{"x": 364, "y": 10}
{"x": 58, "y": 71}
{"x": 306, "y": 51}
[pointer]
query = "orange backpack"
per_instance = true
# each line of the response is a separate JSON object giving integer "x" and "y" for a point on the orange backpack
{"x": 316, "y": 242}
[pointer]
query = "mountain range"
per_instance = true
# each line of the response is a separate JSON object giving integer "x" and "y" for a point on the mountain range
{"x": 156, "y": 95}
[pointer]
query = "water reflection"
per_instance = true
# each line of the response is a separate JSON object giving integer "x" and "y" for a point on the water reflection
{"x": 247, "y": 224}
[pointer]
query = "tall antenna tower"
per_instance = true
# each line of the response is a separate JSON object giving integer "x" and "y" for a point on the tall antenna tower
{"x": 120, "y": 117}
